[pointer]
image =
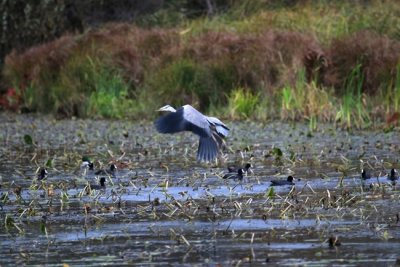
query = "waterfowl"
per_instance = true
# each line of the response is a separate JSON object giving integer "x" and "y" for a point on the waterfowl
{"x": 288, "y": 181}
{"x": 100, "y": 186}
{"x": 110, "y": 171}
{"x": 393, "y": 175}
{"x": 238, "y": 175}
{"x": 86, "y": 163}
{"x": 333, "y": 241}
{"x": 186, "y": 118}
{"x": 42, "y": 174}
{"x": 365, "y": 175}
{"x": 246, "y": 168}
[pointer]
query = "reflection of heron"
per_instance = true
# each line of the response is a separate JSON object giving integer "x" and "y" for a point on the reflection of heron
{"x": 288, "y": 181}
{"x": 210, "y": 129}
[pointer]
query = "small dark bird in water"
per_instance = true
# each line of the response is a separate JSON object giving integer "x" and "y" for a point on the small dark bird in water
{"x": 246, "y": 168}
{"x": 111, "y": 171}
{"x": 333, "y": 241}
{"x": 42, "y": 174}
{"x": 86, "y": 163}
{"x": 238, "y": 175}
{"x": 365, "y": 175}
{"x": 18, "y": 190}
{"x": 100, "y": 186}
{"x": 393, "y": 175}
{"x": 211, "y": 130}
{"x": 288, "y": 181}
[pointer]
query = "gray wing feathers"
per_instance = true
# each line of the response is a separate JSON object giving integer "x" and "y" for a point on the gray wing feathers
{"x": 220, "y": 127}
{"x": 222, "y": 130}
{"x": 208, "y": 149}
{"x": 195, "y": 121}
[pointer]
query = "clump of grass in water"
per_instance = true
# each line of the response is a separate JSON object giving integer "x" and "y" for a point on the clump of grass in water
{"x": 305, "y": 101}
{"x": 352, "y": 109}
{"x": 242, "y": 103}
{"x": 396, "y": 97}
{"x": 391, "y": 95}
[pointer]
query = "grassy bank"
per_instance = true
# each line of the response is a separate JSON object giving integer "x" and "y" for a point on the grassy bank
{"x": 315, "y": 62}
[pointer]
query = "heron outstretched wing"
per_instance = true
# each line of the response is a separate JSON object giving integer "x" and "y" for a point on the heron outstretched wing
{"x": 171, "y": 123}
{"x": 185, "y": 118}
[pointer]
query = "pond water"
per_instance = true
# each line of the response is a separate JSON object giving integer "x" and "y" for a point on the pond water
{"x": 161, "y": 207}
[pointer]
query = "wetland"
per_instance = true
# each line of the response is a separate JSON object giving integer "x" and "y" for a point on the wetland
{"x": 161, "y": 207}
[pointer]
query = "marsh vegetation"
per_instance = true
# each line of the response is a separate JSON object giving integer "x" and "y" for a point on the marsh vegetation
{"x": 161, "y": 207}
{"x": 316, "y": 62}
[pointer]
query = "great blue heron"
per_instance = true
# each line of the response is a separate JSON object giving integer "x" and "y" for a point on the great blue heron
{"x": 288, "y": 181}
{"x": 186, "y": 118}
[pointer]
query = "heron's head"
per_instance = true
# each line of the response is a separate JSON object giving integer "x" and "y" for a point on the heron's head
{"x": 167, "y": 108}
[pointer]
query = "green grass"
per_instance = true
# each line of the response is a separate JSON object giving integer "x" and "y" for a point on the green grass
{"x": 325, "y": 20}
{"x": 396, "y": 90}
{"x": 242, "y": 104}
{"x": 352, "y": 109}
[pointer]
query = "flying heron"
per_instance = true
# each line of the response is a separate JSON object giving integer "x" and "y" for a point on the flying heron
{"x": 186, "y": 118}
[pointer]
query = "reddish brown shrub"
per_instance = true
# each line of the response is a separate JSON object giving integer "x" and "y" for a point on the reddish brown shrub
{"x": 378, "y": 56}
{"x": 123, "y": 46}
{"x": 267, "y": 60}
{"x": 39, "y": 61}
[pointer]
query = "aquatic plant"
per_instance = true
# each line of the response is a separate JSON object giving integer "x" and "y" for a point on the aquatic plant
{"x": 242, "y": 103}
{"x": 352, "y": 109}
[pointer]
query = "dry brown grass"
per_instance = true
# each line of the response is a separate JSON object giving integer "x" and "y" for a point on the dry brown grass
{"x": 266, "y": 61}
{"x": 378, "y": 56}
{"x": 38, "y": 62}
